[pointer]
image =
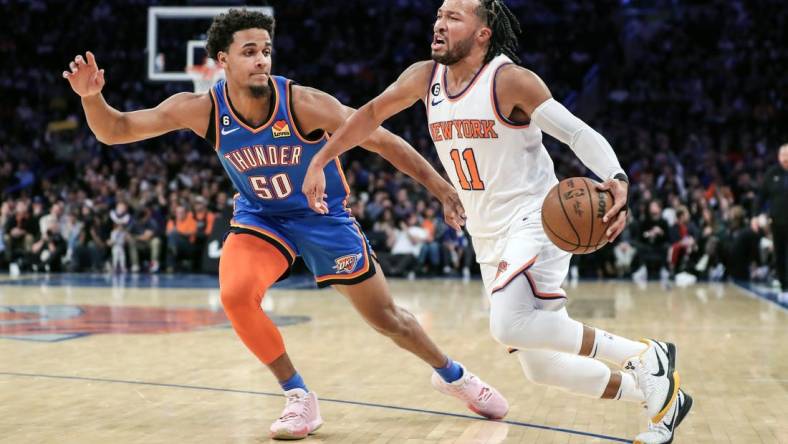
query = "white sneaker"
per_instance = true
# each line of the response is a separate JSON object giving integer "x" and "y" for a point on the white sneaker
{"x": 662, "y": 432}
{"x": 480, "y": 397}
{"x": 655, "y": 372}
{"x": 300, "y": 417}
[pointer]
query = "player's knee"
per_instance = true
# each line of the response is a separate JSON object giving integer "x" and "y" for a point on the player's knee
{"x": 237, "y": 296}
{"x": 538, "y": 374}
{"x": 540, "y": 367}
{"x": 506, "y": 328}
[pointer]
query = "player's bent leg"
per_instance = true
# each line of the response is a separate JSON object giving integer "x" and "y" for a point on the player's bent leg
{"x": 242, "y": 287}
{"x": 373, "y": 300}
{"x": 578, "y": 375}
{"x": 516, "y": 322}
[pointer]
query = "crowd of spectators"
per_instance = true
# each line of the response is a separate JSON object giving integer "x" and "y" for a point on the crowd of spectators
{"x": 692, "y": 97}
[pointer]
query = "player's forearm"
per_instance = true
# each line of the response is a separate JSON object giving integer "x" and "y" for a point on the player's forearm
{"x": 406, "y": 159}
{"x": 352, "y": 133}
{"x": 103, "y": 119}
{"x": 590, "y": 147}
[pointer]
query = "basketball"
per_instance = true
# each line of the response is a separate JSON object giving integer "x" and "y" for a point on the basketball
{"x": 572, "y": 215}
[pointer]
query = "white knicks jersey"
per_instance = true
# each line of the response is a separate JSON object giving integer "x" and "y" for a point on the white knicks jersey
{"x": 500, "y": 168}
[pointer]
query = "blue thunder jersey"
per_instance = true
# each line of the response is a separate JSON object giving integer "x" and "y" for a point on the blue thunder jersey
{"x": 267, "y": 164}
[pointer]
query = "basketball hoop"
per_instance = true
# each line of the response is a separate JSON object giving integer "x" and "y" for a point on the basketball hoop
{"x": 205, "y": 76}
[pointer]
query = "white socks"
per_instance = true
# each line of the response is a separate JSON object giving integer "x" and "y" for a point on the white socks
{"x": 615, "y": 349}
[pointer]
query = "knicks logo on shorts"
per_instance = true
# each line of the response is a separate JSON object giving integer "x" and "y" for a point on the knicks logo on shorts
{"x": 502, "y": 266}
{"x": 346, "y": 264}
{"x": 280, "y": 129}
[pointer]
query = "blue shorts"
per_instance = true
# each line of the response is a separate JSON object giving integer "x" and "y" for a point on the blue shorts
{"x": 332, "y": 246}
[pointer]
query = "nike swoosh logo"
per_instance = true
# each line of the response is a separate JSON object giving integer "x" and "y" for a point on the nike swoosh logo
{"x": 673, "y": 419}
{"x": 434, "y": 103}
{"x": 661, "y": 369}
{"x": 226, "y": 132}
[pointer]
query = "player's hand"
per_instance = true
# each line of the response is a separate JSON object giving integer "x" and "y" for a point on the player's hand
{"x": 85, "y": 77}
{"x": 314, "y": 188}
{"x": 453, "y": 211}
{"x": 616, "y": 217}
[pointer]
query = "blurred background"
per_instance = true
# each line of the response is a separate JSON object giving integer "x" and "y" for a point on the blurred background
{"x": 691, "y": 94}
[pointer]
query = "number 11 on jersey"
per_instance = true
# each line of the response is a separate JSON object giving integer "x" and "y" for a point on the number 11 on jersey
{"x": 470, "y": 160}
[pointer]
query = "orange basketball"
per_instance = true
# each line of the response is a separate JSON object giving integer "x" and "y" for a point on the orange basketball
{"x": 572, "y": 215}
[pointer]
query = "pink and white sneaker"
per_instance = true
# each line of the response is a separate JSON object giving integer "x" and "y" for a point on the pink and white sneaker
{"x": 300, "y": 417}
{"x": 482, "y": 398}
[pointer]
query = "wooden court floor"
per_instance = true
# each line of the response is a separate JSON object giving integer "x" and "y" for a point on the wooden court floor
{"x": 145, "y": 364}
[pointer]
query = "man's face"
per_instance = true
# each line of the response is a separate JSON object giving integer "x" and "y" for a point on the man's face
{"x": 783, "y": 156}
{"x": 247, "y": 62}
{"x": 455, "y": 30}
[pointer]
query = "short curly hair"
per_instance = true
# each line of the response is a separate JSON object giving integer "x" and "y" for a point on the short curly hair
{"x": 220, "y": 34}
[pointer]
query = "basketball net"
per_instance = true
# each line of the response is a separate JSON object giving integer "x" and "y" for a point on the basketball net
{"x": 204, "y": 76}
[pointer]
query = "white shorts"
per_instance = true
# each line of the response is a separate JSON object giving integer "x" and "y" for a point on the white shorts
{"x": 524, "y": 250}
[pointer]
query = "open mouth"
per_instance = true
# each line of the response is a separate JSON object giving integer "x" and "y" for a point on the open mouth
{"x": 438, "y": 42}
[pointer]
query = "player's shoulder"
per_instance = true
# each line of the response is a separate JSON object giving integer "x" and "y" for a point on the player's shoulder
{"x": 190, "y": 101}
{"x": 190, "y": 110}
{"x": 419, "y": 71}
{"x": 310, "y": 100}
{"x": 421, "y": 67}
{"x": 301, "y": 93}
{"x": 513, "y": 73}
{"x": 416, "y": 77}
{"x": 513, "y": 80}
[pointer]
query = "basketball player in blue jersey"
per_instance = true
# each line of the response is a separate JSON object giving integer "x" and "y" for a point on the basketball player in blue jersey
{"x": 265, "y": 130}
{"x": 486, "y": 116}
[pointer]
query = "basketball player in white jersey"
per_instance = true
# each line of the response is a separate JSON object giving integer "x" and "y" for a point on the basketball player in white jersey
{"x": 486, "y": 115}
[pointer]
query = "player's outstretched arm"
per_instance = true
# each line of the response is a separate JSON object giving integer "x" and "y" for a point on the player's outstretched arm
{"x": 316, "y": 109}
{"x": 404, "y": 92}
{"x": 522, "y": 89}
{"x": 111, "y": 126}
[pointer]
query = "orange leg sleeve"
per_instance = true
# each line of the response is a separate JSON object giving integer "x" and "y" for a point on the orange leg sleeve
{"x": 247, "y": 268}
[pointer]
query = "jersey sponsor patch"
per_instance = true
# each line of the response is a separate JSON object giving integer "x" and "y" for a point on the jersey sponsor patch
{"x": 346, "y": 264}
{"x": 280, "y": 129}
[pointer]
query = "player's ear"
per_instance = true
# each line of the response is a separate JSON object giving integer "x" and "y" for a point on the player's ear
{"x": 484, "y": 34}
{"x": 221, "y": 58}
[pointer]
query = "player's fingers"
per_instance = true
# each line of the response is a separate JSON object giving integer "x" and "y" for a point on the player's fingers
{"x": 66, "y": 74}
{"x": 73, "y": 67}
{"x": 79, "y": 60}
{"x": 311, "y": 198}
{"x": 100, "y": 77}
{"x": 603, "y": 185}
{"x": 458, "y": 207}
{"x": 615, "y": 209}
{"x": 616, "y": 227}
{"x": 460, "y": 214}
{"x": 91, "y": 58}
{"x": 450, "y": 221}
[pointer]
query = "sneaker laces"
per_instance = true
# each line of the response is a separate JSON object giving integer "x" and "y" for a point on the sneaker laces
{"x": 483, "y": 395}
{"x": 294, "y": 408}
{"x": 646, "y": 383}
